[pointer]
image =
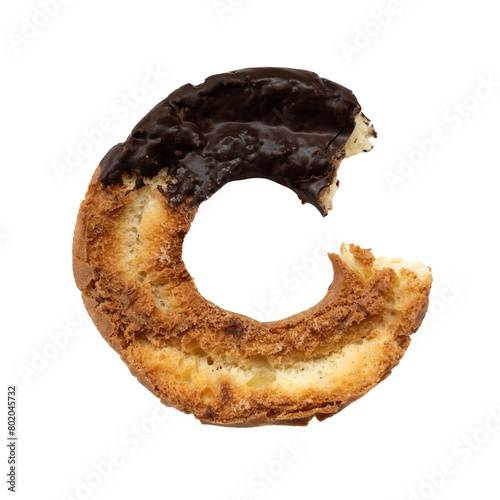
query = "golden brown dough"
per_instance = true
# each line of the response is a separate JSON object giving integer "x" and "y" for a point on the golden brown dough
{"x": 223, "y": 367}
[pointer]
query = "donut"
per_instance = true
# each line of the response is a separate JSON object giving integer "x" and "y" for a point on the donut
{"x": 286, "y": 125}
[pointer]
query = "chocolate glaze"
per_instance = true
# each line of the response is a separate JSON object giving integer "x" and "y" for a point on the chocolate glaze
{"x": 286, "y": 125}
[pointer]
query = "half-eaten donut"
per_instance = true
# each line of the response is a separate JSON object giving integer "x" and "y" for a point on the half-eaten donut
{"x": 286, "y": 125}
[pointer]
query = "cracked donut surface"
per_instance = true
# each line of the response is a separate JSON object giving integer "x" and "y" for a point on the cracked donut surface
{"x": 289, "y": 126}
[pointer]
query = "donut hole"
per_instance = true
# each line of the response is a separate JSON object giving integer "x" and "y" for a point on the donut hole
{"x": 255, "y": 250}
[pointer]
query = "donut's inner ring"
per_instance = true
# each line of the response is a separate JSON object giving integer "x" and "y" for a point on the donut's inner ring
{"x": 255, "y": 250}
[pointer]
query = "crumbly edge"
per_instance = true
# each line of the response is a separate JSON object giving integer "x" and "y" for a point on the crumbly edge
{"x": 359, "y": 142}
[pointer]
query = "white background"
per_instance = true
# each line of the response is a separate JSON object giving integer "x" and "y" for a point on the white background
{"x": 418, "y": 70}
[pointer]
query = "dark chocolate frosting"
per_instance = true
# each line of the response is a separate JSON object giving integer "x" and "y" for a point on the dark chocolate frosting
{"x": 286, "y": 125}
